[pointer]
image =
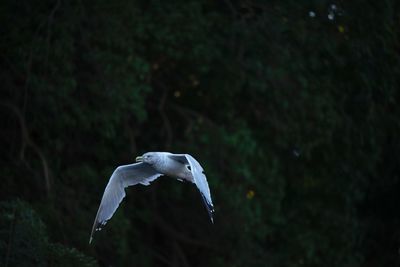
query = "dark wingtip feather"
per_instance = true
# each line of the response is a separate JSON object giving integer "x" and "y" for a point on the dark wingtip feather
{"x": 96, "y": 227}
{"x": 209, "y": 206}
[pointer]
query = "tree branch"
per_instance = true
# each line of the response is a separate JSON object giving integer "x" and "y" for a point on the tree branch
{"x": 50, "y": 22}
{"x": 27, "y": 141}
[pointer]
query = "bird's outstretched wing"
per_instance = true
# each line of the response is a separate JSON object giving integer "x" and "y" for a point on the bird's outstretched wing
{"x": 122, "y": 177}
{"x": 199, "y": 179}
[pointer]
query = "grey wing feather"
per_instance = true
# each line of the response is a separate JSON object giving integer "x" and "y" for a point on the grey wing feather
{"x": 123, "y": 176}
{"x": 199, "y": 178}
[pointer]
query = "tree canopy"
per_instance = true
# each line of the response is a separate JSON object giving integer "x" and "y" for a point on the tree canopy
{"x": 290, "y": 106}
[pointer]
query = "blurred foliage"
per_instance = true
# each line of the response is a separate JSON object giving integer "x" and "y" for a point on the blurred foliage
{"x": 24, "y": 240}
{"x": 291, "y": 107}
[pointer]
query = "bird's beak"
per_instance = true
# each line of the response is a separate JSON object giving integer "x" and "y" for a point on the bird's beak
{"x": 139, "y": 159}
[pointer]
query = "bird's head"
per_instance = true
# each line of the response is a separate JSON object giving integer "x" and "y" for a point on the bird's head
{"x": 149, "y": 158}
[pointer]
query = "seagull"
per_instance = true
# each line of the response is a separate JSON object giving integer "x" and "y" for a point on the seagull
{"x": 148, "y": 168}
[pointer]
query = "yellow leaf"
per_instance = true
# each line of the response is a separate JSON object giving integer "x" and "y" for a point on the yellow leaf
{"x": 250, "y": 194}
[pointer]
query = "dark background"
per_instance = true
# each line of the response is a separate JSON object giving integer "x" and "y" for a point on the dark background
{"x": 290, "y": 106}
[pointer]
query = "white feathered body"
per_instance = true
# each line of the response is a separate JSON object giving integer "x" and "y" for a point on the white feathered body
{"x": 172, "y": 168}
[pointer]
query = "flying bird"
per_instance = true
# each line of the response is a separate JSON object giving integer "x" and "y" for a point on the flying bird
{"x": 148, "y": 168}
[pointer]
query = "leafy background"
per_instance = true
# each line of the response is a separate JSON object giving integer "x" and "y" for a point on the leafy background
{"x": 290, "y": 106}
